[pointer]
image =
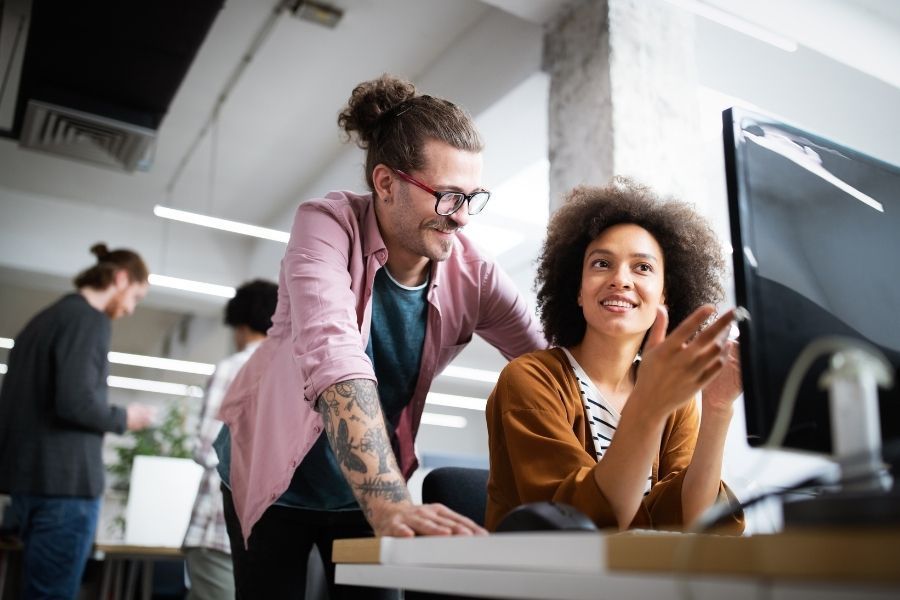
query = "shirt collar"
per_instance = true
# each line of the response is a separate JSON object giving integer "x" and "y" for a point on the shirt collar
{"x": 372, "y": 241}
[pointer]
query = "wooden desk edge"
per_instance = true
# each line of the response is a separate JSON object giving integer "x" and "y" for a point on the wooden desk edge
{"x": 357, "y": 551}
{"x": 128, "y": 551}
{"x": 848, "y": 556}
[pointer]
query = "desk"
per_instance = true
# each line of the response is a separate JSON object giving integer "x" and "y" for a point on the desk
{"x": 820, "y": 566}
{"x": 492, "y": 583}
{"x": 118, "y": 581}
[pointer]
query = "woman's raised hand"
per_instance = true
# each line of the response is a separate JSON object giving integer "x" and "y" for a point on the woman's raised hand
{"x": 674, "y": 368}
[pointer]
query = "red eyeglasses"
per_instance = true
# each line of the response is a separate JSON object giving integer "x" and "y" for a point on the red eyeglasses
{"x": 447, "y": 203}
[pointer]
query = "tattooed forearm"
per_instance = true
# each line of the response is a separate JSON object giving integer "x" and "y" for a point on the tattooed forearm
{"x": 351, "y": 413}
{"x": 376, "y": 442}
{"x": 356, "y": 393}
{"x": 367, "y": 398}
{"x": 343, "y": 449}
{"x": 380, "y": 488}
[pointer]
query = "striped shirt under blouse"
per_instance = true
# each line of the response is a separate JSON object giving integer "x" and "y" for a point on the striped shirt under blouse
{"x": 604, "y": 419}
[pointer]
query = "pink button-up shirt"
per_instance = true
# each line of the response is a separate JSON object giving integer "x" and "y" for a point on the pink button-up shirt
{"x": 319, "y": 334}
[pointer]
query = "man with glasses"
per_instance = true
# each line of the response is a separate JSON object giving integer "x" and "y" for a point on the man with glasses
{"x": 377, "y": 294}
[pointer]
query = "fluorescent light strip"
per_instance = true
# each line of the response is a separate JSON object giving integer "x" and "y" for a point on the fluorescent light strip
{"x": 159, "y": 387}
{"x": 166, "y": 364}
{"x": 2, "y": 369}
{"x": 740, "y": 24}
{"x": 189, "y": 285}
{"x": 442, "y": 420}
{"x": 222, "y": 224}
{"x": 469, "y": 373}
{"x": 454, "y": 401}
{"x": 152, "y": 362}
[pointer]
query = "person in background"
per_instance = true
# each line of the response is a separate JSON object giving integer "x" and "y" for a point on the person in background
{"x": 607, "y": 420}
{"x": 53, "y": 415}
{"x": 206, "y": 546}
{"x": 378, "y": 292}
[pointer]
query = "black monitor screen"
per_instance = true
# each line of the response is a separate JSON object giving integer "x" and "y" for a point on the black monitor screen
{"x": 815, "y": 229}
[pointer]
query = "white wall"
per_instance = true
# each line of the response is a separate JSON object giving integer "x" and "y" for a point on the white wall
{"x": 69, "y": 229}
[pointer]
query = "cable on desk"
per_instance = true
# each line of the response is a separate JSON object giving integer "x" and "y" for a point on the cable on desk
{"x": 724, "y": 510}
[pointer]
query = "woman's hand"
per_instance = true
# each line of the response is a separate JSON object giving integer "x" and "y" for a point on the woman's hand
{"x": 674, "y": 368}
{"x": 720, "y": 393}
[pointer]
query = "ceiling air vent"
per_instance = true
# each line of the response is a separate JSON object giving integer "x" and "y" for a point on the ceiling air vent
{"x": 81, "y": 135}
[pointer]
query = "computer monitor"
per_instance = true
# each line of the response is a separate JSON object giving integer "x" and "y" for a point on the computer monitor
{"x": 815, "y": 230}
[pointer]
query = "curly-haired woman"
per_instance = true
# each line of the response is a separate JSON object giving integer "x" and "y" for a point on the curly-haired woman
{"x": 607, "y": 420}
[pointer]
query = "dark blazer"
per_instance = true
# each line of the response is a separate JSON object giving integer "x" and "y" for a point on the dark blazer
{"x": 53, "y": 404}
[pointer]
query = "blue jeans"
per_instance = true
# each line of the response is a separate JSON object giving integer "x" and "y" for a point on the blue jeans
{"x": 57, "y": 535}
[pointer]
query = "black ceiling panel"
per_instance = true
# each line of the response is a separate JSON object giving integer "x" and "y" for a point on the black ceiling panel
{"x": 119, "y": 59}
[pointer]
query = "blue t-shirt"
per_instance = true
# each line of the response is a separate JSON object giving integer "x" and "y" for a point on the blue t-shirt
{"x": 399, "y": 316}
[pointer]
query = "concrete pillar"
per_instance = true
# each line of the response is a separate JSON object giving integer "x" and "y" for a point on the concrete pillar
{"x": 623, "y": 97}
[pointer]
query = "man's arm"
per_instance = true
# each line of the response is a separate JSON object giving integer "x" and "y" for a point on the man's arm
{"x": 80, "y": 355}
{"x": 356, "y": 432}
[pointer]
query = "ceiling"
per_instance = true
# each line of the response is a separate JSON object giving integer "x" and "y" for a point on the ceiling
{"x": 275, "y": 139}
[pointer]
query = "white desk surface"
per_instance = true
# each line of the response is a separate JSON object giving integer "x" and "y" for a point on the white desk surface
{"x": 814, "y": 565}
{"x": 490, "y": 583}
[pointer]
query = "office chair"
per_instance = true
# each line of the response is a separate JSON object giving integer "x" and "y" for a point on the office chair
{"x": 461, "y": 489}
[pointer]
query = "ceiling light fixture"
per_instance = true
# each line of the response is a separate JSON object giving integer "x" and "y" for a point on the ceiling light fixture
{"x": 740, "y": 24}
{"x": 141, "y": 360}
{"x": 189, "y": 285}
{"x": 222, "y": 224}
{"x": 157, "y": 387}
{"x": 442, "y": 420}
{"x": 455, "y": 401}
{"x": 166, "y": 364}
{"x": 318, "y": 13}
{"x": 472, "y": 374}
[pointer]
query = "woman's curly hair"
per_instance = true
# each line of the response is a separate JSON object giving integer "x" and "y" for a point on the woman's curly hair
{"x": 692, "y": 255}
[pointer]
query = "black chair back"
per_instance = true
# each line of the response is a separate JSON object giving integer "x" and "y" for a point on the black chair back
{"x": 461, "y": 489}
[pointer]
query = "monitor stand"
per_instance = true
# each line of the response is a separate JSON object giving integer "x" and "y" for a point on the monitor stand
{"x": 845, "y": 509}
{"x": 867, "y": 497}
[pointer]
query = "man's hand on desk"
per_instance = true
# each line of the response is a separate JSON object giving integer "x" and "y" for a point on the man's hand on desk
{"x": 407, "y": 520}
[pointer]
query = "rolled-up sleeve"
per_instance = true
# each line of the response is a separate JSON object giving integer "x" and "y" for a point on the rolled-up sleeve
{"x": 326, "y": 339}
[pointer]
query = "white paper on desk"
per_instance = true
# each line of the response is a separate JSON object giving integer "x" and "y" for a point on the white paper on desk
{"x": 566, "y": 552}
{"x": 160, "y": 500}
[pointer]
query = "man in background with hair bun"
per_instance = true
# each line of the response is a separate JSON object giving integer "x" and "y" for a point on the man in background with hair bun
{"x": 53, "y": 415}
